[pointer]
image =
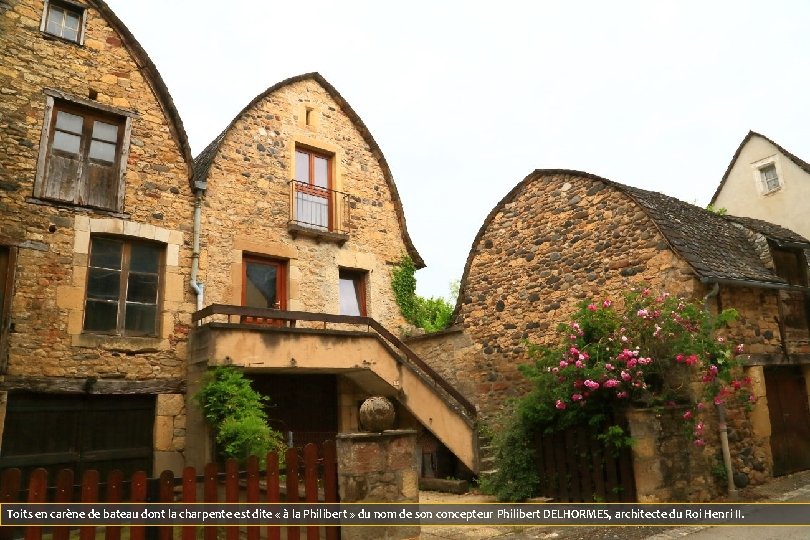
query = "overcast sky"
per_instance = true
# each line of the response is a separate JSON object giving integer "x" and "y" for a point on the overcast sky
{"x": 467, "y": 98}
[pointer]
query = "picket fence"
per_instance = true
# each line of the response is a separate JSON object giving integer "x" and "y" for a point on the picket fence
{"x": 315, "y": 481}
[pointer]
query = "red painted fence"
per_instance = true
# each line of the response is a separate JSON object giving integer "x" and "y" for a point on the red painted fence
{"x": 251, "y": 485}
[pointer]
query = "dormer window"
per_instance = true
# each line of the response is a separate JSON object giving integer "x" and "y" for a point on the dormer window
{"x": 769, "y": 178}
{"x": 64, "y": 20}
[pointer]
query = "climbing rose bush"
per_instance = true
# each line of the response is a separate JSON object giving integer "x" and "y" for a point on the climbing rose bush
{"x": 647, "y": 350}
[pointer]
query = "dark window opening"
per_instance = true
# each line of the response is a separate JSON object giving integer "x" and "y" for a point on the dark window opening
{"x": 123, "y": 286}
{"x": 352, "y": 292}
{"x": 791, "y": 266}
{"x": 7, "y": 254}
{"x": 264, "y": 285}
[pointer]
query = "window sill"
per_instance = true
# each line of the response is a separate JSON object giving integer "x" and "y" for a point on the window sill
{"x": 771, "y": 192}
{"x": 71, "y": 206}
{"x": 296, "y": 229}
{"x": 127, "y": 344}
{"x": 54, "y": 37}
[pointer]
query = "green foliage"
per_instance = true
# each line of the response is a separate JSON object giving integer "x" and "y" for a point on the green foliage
{"x": 236, "y": 412}
{"x": 648, "y": 353}
{"x": 227, "y": 393}
{"x": 516, "y": 478}
{"x": 431, "y": 314}
{"x": 242, "y": 436}
{"x": 717, "y": 210}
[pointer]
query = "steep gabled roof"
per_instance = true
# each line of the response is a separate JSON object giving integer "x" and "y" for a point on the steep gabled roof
{"x": 203, "y": 162}
{"x": 715, "y": 246}
{"x": 798, "y": 161}
{"x": 152, "y": 77}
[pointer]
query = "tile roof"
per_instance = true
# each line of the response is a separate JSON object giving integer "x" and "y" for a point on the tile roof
{"x": 716, "y": 247}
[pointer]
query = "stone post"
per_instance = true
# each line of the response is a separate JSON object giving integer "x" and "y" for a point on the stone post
{"x": 378, "y": 467}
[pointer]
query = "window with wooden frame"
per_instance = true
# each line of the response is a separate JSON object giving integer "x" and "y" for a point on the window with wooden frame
{"x": 791, "y": 265}
{"x": 7, "y": 264}
{"x": 83, "y": 156}
{"x": 770, "y": 178}
{"x": 352, "y": 285}
{"x": 64, "y": 20}
{"x": 313, "y": 189}
{"x": 264, "y": 285}
{"x": 124, "y": 280}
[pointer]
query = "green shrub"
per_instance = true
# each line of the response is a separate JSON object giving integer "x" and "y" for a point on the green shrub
{"x": 244, "y": 436}
{"x": 431, "y": 314}
{"x": 647, "y": 350}
{"x": 236, "y": 413}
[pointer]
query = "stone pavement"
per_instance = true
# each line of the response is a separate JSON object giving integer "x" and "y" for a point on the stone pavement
{"x": 795, "y": 487}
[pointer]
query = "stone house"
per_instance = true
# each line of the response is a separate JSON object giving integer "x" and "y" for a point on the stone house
{"x": 561, "y": 236}
{"x": 300, "y": 225}
{"x": 765, "y": 181}
{"x": 96, "y": 207}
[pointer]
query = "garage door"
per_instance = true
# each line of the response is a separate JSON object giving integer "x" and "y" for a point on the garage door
{"x": 78, "y": 432}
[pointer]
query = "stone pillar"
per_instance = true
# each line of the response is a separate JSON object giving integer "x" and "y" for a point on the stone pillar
{"x": 666, "y": 465}
{"x": 378, "y": 467}
{"x": 170, "y": 433}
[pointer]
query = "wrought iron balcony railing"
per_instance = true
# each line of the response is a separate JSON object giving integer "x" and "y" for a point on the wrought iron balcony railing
{"x": 319, "y": 211}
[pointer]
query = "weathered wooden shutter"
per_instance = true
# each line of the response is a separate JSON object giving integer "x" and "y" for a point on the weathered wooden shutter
{"x": 100, "y": 182}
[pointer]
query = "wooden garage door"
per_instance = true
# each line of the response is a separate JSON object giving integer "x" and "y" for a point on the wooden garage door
{"x": 78, "y": 432}
{"x": 790, "y": 419}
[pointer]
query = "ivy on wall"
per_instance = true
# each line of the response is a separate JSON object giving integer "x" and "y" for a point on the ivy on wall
{"x": 431, "y": 314}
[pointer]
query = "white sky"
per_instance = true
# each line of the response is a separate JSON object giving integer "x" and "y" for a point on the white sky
{"x": 466, "y": 98}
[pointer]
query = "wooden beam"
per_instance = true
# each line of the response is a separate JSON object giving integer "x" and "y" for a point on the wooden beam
{"x": 92, "y": 385}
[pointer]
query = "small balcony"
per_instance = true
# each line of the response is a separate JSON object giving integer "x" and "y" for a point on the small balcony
{"x": 320, "y": 213}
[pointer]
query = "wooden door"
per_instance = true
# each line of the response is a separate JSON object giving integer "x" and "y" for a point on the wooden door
{"x": 790, "y": 419}
{"x": 81, "y": 432}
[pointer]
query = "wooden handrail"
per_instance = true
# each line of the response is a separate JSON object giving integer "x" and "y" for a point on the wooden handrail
{"x": 278, "y": 314}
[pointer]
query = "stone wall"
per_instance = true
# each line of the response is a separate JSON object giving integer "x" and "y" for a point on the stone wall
{"x": 378, "y": 467}
{"x": 559, "y": 240}
{"x": 52, "y": 238}
{"x": 47, "y": 341}
{"x": 248, "y": 204}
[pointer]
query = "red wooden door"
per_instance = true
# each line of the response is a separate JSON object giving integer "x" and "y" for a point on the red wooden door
{"x": 790, "y": 419}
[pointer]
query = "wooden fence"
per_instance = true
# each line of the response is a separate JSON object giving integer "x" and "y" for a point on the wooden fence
{"x": 574, "y": 465}
{"x": 251, "y": 486}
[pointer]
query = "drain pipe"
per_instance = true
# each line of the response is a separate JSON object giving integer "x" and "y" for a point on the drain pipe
{"x": 721, "y": 418}
{"x": 197, "y": 286}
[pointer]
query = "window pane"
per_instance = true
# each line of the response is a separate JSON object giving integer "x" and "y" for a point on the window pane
{"x": 102, "y": 151}
{"x": 105, "y": 132}
{"x": 72, "y": 21}
{"x": 106, "y": 253}
{"x": 350, "y": 296}
{"x": 103, "y": 283}
{"x": 260, "y": 288}
{"x": 145, "y": 257}
{"x": 71, "y": 34}
{"x": 142, "y": 288}
{"x": 55, "y": 20}
{"x": 301, "y": 166}
{"x": 66, "y": 142}
{"x": 100, "y": 315}
{"x": 140, "y": 319}
{"x": 69, "y": 122}
{"x": 321, "y": 172}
